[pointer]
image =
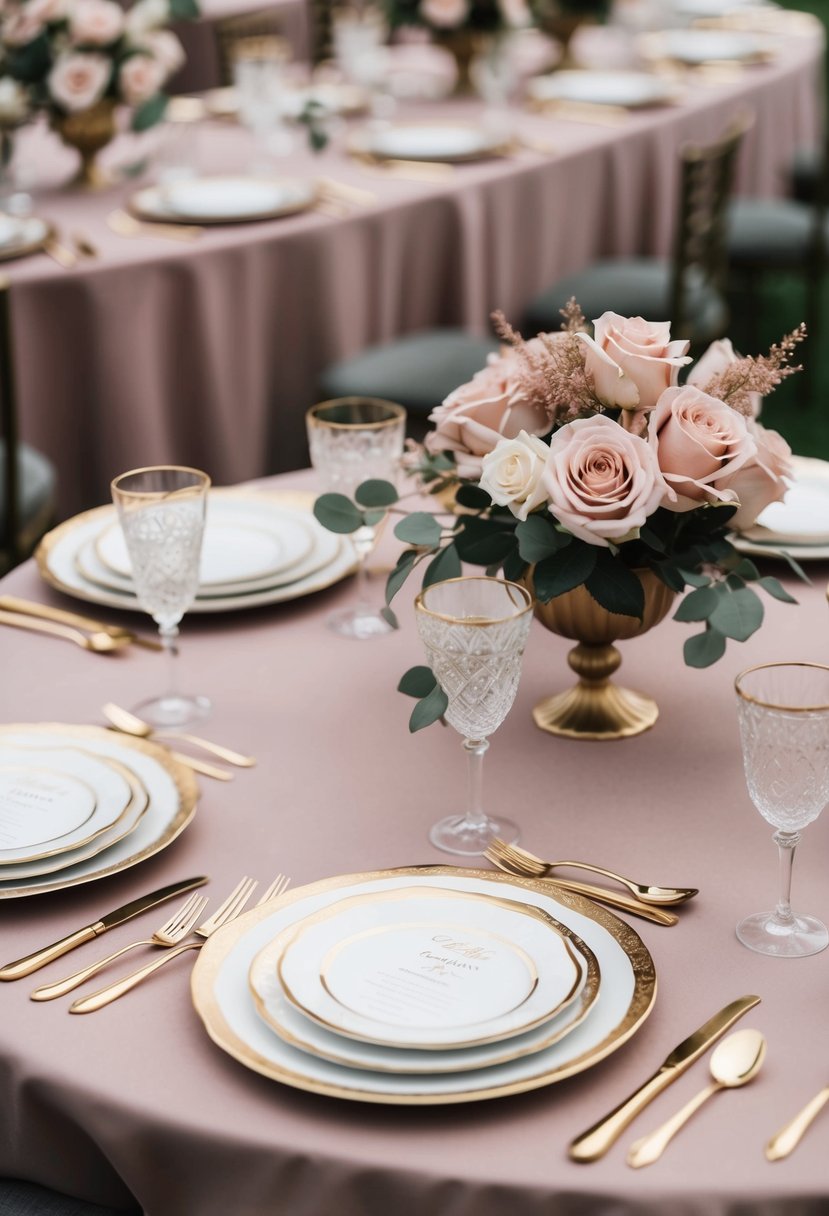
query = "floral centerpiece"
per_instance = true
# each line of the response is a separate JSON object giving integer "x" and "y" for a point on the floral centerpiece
{"x": 442, "y": 16}
{"x": 580, "y": 466}
{"x": 76, "y": 60}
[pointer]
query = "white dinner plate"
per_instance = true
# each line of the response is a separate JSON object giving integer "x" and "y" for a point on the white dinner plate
{"x": 60, "y": 563}
{"x": 629, "y": 89}
{"x": 223, "y": 200}
{"x": 54, "y": 799}
{"x": 802, "y": 518}
{"x": 715, "y": 8}
{"x": 171, "y": 789}
{"x": 240, "y": 546}
{"x": 429, "y": 970}
{"x": 226, "y": 1006}
{"x": 22, "y": 235}
{"x": 303, "y": 1033}
{"x": 447, "y": 141}
{"x": 698, "y": 46}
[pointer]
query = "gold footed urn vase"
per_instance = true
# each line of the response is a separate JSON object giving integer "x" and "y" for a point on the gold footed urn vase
{"x": 88, "y": 131}
{"x": 595, "y": 707}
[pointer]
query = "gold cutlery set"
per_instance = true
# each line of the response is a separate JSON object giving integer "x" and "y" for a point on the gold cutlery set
{"x": 170, "y": 937}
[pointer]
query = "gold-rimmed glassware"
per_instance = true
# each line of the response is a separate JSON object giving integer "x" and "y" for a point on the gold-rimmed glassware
{"x": 352, "y": 440}
{"x": 474, "y": 630}
{"x": 162, "y": 511}
{"x": 783, "y": 711}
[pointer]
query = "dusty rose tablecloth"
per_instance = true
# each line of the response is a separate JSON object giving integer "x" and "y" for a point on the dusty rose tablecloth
{"x": 208, "y": 353}
{"x": 136, "y": 1098}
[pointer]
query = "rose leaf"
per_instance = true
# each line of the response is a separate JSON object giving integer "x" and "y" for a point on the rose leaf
{"x": 564, "y": 571}
{"x": 537, "y": 539}
{"x": 616, "y": 587}
{"x": 473, "y": 497}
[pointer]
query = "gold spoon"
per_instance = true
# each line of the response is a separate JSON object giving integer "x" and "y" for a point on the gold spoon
{"x": 735, "y": 1062}
{"x": 787, "y": 1139}
{"x": 129, "y": 724}
{"x": 99, "y": 642}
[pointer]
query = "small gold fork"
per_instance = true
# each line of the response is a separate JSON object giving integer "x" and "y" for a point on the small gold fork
{"x": 524, "y": 862}
{"x": 229, "y": 910}
{"x": 170, "y": 934}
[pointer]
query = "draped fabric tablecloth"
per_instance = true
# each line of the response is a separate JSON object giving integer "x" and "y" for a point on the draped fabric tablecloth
{"x": 158, "y": 351}
{"x": 136, "y": 1100}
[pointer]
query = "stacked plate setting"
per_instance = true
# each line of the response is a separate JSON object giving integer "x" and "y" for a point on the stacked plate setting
{"x": 257, "y": 549}
{"x": 798, "y": 525}
{"x": 424, "y": 985}
{"x": 78, "y": 803}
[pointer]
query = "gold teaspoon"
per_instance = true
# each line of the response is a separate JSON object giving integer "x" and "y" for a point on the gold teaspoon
{"x": 787, "y": 1139}
{"x": 735, "y": 1062}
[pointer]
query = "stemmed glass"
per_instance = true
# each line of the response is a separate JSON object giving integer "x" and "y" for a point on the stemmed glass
{"x": 259, "y": 79}
{"x": 784, "y": 729}
{"x": 162, "y": 511}
{"x": 352, "y": 440}
{"x": 474, "y": 631}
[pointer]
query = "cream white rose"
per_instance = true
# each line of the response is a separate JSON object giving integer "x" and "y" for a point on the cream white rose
{"x": 147, "y": 15}
{"x": 78, "y": 80}
{"x": 512, "y": 474}
{"x": 761, "y": 481}
{"x": 95, "y": 22}
{"x": 492, "y": 406}
{"x": 14, "y": 102}
{"x": 700, "y": 443}
{"x": 140, "y": 78}
{"x": 644, "y": 352}
{"x": 602, "y": 482}
{"x": 444, "y": 14}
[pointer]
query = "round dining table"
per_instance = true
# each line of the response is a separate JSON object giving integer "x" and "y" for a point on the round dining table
{"x": 209, "y": 350}
{"x": 135, "y": 1105}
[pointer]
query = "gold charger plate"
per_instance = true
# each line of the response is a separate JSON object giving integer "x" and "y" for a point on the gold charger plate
{"x": 225, "y": 1005}
{"x": 157, "y": 827}
{"x": 149, "y": 203}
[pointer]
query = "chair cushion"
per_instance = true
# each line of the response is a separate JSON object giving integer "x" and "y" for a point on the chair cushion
{"x": 417, "y": 371}
{"x": 633, "y": 287}
{"x": 770, "y": 232}
{"x": 36, "y": 493}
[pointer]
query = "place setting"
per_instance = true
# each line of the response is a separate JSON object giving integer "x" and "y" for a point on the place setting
{"x": 798, "y": 526}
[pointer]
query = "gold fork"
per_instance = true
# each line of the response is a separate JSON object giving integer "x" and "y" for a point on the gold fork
{"x": 614, "y": 899}
{"x": 535, "y": 867}
{"x": 231, "y": 908}
{"x": 170, "y": 934}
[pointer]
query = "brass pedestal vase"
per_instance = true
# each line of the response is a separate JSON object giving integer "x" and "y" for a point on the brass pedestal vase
{"x": 595, "y": 707}
{"x": 88, "y": 132}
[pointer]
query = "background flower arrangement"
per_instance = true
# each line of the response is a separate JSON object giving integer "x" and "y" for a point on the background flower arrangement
{"x": 445, "y": 16}
{"x": 67, "y": 56}
{"x": 578, "y": 460}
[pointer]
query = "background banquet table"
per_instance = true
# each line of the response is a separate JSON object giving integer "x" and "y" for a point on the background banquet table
{"x": 136, "y": 1100}
{"x": 202, "y": 69}
{"x": 156, "y": 351}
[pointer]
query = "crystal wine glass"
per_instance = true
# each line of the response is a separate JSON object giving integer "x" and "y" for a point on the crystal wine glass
{"x": 351, "y": 440}
{"x": 474, "y": 631}
{"x": 784, "y": 729}
{"x": 162, "y": 511}
{"x": 259, "y": 80}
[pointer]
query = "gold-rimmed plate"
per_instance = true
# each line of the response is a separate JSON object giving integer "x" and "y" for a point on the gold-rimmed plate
{"x": 303, "y": 1033}
{"x": 223, "y": 200}
{"x": 22, "y": 236}
{"x": 225, "y": 1004}
{"x": 171, "y": 788}
{"x": 428, "y": 969}
{"x": 441, "y": 142}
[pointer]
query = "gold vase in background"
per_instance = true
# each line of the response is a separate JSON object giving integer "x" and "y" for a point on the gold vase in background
{"x": 88, "y": 131}
{"x": 464, "y": 45}
{"x": 596, "y": 708}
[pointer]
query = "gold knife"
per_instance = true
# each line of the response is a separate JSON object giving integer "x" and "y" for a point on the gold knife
{"x": 11, "y": 603}
{"x": 33, "y": 962}
{"x": 594, "y": 1143}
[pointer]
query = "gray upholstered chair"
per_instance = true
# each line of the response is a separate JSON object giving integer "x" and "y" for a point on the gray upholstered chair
{"x": 27, "y": 479}
{"x": 688, "y": 289}
{"x": 27, "y": 1199}
{"x": 417, "y": 371}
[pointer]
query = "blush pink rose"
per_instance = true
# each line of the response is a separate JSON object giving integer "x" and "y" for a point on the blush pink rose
{"x": 602, "y": 482}
{"x": 95, "y": 22}
{"x": 515, "y": 12}
{"x": 21, "y": 27}
{"x": 444, "y": 14}
{"x": 761, "y": 481}
{"x": 473, "y": 418}
{"x": 643, "y": 350}
{"x": 140, "y": 78}
{"x": 78, "y": 80}
{"x": 717, "y": 358}
{"x": 700, "y": 443}
{"x": 47, "y": 11}
{"x": 164, "y": 46}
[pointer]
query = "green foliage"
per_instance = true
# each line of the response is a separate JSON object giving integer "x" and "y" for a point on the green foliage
{"x": 615, "y": 586}
{"x": 376, "y": 493}
{"x": 148, "y": 114}
{"x": 432, "y": 700}
{"x": 184, "y": 10}
{"x": 419, "y": 528}
{"x": 338, "y": 513}
{"x": 538, "y": 538}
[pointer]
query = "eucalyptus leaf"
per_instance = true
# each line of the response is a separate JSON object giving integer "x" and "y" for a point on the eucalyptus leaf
{"x": 184, "y": 10}
{"x": 697, "y": 606}
{"x": 417, "y": 682}
{"x": 484, "y": 542}
{"x": 670, "y": 576}
{"x": 376, "y": 493}
{"x": 776, "y": 588}
{"x": 564, "y": 571}
{"x": 400, "y": 573}
{"x": 615, "y": 587}
{"x": 514, "y": 566}
{"x": 149, "y": 113}
{"x": 537, "y": 538}
{"x": 337, "y": 513}
{"x": 445, "y": 564}
{"x": 373, "y": 517}
{"x": 429, "y": 710}
{"x": 746, "y": 570}
{"x": 419, "y": 528}
{"x": 703, "y": 649}
{"x": 389, "y": 617}
{"x": 694, "y": 579}
{"x": 738, "y": 614}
